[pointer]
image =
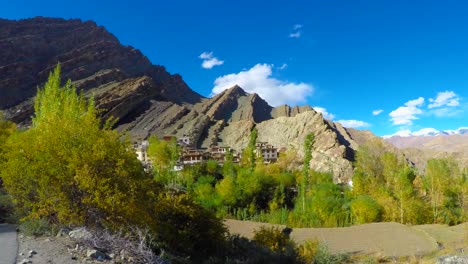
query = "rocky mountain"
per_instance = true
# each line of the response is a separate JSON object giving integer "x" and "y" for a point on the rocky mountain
{"x": 434, "y": 144}
{"x": 89, "y": 55}
{"x": 148, "y": 100}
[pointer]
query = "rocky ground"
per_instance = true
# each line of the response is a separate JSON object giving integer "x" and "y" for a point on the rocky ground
{"x": 74, "y": 246}
{"x": 49, "y": 250}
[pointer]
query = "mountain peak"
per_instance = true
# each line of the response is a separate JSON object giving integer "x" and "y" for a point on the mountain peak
{"x": 428, "y": 132}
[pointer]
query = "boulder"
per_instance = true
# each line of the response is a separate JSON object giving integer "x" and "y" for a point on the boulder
{"x": 453, "y": 259}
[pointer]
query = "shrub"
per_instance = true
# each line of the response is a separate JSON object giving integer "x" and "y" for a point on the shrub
{"x": 365, "y": 210}
{"x": 186, "y": 229}
{"x": 6, "y": 207}
{"x": 308, "y": 250}
{"x": 324, "y": 256}
{"x": 136, "y": 243}
{"x": 37, "y": 227}
{"x": 274, "y": 239}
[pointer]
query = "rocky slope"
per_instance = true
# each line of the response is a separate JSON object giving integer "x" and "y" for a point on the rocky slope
{"x": 440, "y": 145}
{"x": 89, "y": 55}
{"x": 148, "y": 100}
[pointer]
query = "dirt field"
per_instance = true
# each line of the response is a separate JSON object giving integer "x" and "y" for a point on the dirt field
{"x": 386, "y": 239}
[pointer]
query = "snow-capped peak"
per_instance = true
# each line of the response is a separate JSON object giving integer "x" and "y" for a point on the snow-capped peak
{"x": 425, "y": 132}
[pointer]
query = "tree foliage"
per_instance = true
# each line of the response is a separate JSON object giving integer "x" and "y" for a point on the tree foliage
{"x": 68, "y": 168}
{"x": 305, "y": 182}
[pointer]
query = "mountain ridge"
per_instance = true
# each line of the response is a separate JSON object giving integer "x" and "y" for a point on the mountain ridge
{"x": 147, "y": 100}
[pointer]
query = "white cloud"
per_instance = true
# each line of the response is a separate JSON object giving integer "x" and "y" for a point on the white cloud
{"x": 447, "y": 98}
{"x": 324, "y": 112}
{"x": 296, "y": 31}
{"x": 404, "y": 115}
{"x": 446, "y": 112}
{"x": 259, "y": 80}
{"x": 297, "y": 26}
{"x": 295, "y": 34}
{"x": 209, "y": 61}
{"x": 282, "y": 67}
{"x": 354, "y": 123}
{"x": 377, "y": 112}
{"x": 400, "y": 133}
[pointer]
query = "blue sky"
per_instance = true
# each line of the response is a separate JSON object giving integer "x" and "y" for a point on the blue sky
{"x": 348, "y": 59}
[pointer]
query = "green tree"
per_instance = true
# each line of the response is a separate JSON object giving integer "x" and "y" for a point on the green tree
{"x": 249, "y": 153}
{"x": 305, "y": 182}
{"x": 228, "y": 165}
{"x": 68, "y": 168}
{"x": 437, "y": 180}
{"x": 7, "y": 128}
{"x": 364, "y": 209}
{"x": 164, "y": 155}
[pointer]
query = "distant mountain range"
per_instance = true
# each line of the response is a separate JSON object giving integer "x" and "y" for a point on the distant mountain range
{"x": 430, "y": 132}
{"x": 431, "y": 143}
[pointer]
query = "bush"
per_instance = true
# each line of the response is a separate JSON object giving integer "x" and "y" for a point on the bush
{"x": 136, "y": 243}
{"x": 186, "y": 229}
{"x": 37, "y": 227}
{"x": 6, "y": 207}
{"x": 308, "y": 250}
{"x": 364, "y": 209}
{"x": 241, "y": 250}
{"x": 324, "y": 256}
{"x": 274, "y": 239}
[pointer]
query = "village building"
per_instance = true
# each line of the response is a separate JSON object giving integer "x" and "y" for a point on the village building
{"x": 184, "y": 141}
{"x": 190, "y": 156}
{"x": 268, "y": 152}
{"x": 193, "y": 156}
{"x": 141, "y": 151}
{"x": 218, "y": 153}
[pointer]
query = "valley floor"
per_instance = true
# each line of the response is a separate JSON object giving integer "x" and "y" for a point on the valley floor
{"x": 382, "y": 239}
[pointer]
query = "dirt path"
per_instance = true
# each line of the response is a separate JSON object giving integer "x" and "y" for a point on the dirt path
{"x": 8, "y": 244}
{"x": 386, "y": 239}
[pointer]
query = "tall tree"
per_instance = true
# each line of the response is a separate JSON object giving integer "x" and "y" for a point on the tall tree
{"x": 249, "y": 153}
{"x": 68, "y": 168}
{"x": 437, "y": 177}
{"x": 308, "y": 144}
{"x": 164, "y": 156}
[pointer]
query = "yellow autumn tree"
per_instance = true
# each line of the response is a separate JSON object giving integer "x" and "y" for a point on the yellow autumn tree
{"x": 69, "y": 168}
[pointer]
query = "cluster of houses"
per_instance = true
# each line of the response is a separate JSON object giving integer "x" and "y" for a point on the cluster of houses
{"x": 190, "y": 155}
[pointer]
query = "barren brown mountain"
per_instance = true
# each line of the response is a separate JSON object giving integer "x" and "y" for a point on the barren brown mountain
{"x": 421, "y": 148}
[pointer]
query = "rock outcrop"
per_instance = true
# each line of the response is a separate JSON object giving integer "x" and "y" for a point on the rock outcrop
{"x": 147, "y": 100}
{"x": 89, "y": 55}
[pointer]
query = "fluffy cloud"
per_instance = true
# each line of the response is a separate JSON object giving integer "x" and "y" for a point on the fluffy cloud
{"x": 296, "y": 31}
{"x": 354, "y": 123}
{"x": 209, "y": 61}
{"x": 404, "y": 115}
{"x": 377, "y": 112}
{"x": 447, "y": 98}
{"x": 259, "y": 80}
{"x": 324, "y": 112}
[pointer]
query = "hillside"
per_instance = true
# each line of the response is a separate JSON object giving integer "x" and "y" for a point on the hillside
{"x": 439, "y": 145}
{"x": 148, "y": 100}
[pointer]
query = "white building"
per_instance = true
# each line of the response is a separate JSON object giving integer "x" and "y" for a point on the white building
{"x": 268, "y": 152}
